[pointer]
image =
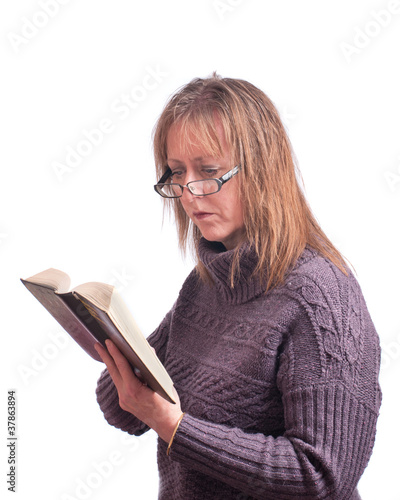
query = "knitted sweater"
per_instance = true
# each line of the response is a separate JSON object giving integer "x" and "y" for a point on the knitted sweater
{"x": 280, "y": 389}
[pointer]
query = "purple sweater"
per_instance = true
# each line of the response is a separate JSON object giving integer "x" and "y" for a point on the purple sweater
{"x": 280, "y": 390}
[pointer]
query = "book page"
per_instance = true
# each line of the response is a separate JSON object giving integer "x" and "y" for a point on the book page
{"x": 52, "y": 278}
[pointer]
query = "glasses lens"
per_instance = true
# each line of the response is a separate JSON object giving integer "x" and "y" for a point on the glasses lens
{"x": 202, "y": 188}
{"x": 170, "y": 190}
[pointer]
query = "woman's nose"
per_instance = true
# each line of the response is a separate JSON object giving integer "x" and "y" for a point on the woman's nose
{"x": 187, "y": 195}
{"x": 189, "y": 177}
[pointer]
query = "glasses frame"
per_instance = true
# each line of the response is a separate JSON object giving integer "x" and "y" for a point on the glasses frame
{"x": 220, "y": 182}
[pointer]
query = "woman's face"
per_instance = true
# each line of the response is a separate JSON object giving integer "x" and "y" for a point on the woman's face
{"x": 218, "y": 216}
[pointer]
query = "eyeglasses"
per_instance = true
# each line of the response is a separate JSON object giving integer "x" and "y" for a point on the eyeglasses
{"x": 202, "y": 187}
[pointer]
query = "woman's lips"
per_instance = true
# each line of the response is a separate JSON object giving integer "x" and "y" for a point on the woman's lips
{"x": 201, "y": 215}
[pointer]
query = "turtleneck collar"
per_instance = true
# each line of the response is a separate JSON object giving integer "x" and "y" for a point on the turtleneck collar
{"x": 218, "y": 262}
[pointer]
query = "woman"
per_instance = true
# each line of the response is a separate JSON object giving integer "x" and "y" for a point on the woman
{"x": 270, "y": 344}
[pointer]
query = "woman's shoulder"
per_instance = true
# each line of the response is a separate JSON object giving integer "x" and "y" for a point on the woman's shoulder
{"x": 340, "y": 329}
{"x": 315, "y": 271}
{"x": 191, "y": 285}
{"x": 332, "y": 299}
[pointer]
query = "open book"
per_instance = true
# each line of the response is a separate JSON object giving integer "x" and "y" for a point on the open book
{"x": 94, "y": 312}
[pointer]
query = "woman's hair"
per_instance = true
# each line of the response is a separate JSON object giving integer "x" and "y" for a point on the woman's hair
{"x": 278, "y": 221}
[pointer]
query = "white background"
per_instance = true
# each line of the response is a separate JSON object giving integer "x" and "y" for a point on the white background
{"x": 332, "y": 69}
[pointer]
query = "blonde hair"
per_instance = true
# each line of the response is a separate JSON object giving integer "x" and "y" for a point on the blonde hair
{"x": 278, "y": 221}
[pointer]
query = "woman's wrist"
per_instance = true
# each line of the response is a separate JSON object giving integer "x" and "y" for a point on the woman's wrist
{"x": 174, "y": 432}
{"x": 166, "y": 428}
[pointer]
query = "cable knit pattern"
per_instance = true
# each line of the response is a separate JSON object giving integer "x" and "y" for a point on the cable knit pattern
{"x": 280, "y": 389}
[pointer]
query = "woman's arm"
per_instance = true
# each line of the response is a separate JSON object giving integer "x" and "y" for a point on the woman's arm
{"x": 107, "y": 393}
{"x": 322, "y": 454}
{"x": 328, "y": 380}
{"x": 136, "y": 398}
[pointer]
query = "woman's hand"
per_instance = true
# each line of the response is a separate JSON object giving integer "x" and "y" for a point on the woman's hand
{"x": 138, "y": 399}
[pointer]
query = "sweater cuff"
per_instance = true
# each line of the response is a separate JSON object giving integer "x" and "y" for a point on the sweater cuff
{"x": 108, "y": 400}
{"x": 210, "y": 449}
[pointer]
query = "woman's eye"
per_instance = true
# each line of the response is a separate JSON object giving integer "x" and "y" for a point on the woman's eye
{"x": 210, "y": 172}
{"x": 177, "y": 175}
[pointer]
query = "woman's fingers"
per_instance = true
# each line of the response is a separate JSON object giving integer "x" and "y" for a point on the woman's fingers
{"x": 137, "y": 398}
{"x": 103, "y": 353}
{"x": 110, "y": 363}
{"x": 118, "y": 367}
{"x": 124, "y": 368}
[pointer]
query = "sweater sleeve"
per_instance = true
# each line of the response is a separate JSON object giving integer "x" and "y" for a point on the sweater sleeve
{"x": 328, "y": 382}
{"x": 107, "y": 394}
